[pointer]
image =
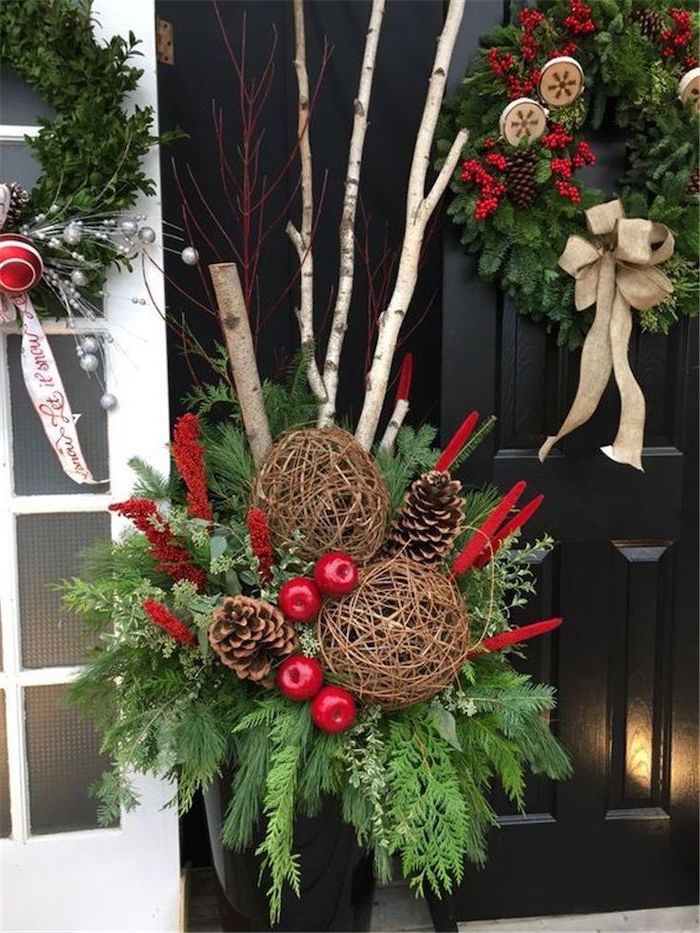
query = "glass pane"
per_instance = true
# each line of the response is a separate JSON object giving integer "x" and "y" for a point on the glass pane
{"x": 17, "y": 163}
{"x": 36, "y": 468}
{"x": 63, "y": 755}
{"x": 5, "y": 822}
{"x": 48, "y": 551}
{"x": 20, "y": 103}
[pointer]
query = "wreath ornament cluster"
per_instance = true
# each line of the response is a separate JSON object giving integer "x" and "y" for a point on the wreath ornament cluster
{"x": 517, "y": 197}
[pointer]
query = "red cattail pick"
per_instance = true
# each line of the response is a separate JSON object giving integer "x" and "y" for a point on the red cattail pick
{"x": 460, "y": 438}
{"x": 524, "y": 515}
{"x": 475, "y": 544}
{"x": 405, "y": 376}
{"x": 498, "y": 642}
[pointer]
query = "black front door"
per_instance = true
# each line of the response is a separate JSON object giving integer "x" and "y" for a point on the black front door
{"x": 622, "y": 833}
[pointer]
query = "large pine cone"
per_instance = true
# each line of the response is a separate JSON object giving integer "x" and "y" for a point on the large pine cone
{"x": 694, "y": 183}
{"x": 520, "y": 178}
{"x": 429, "y": 519}
{"x": 249, "y": 635}
{"x": 650, "y": 22}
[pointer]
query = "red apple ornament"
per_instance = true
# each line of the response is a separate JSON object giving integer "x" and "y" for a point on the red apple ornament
{"x": 333, "y": 709}
{"x": 335, "y": 574}
{"x": 299, "y": 677}
{"x": 300, "y": 599}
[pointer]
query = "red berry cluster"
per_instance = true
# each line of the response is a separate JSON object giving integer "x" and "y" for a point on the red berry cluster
{"x": 582, "y": 156}
{"x": 678, "y": 37}
{"x": 503, "y": 66}
{"x": 569, "y": 49}
{"x": 557, "y": 138}
{"x": 491, "y": 190}
{"x": 579, "y": 19}
{"x": 568, "y": 189}
{"x": 529, "y": 20}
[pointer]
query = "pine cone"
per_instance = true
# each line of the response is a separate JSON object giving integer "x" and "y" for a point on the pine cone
{"x": 520, "y": 178}
{"x": 694, "y": 182}
{"x": 650, "y": 22}
{"x": 249, "y": 634}
{"x": 18, "y": 200}
{"x": 429, "y": 519}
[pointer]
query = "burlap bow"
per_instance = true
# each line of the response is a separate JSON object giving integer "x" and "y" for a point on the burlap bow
{"x": 616, "y": 269}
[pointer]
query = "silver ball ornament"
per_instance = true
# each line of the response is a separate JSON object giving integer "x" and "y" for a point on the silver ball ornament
{"x": 190, "y": 256}
{"x": 89, "y": 345}
{"x": 129, "y": 227}
{"x": 108, "y": 401}
{"x": 79, "y": 278}
{"x": 72, "y": 234}
{"x": 89, "y": 363}
{"x": 147, "y": 235}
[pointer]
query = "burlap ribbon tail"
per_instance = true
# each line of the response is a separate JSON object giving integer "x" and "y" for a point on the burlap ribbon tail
{"x": 616, "y": 270}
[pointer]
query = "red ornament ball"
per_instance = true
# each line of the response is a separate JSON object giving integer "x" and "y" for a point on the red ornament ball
{"x": 21, "y": 266}
{"x": 300, "y": 599}
{"x": 335, "y": 574}
{"x": 299, "y": 677}
{"x": 333, "y": 709}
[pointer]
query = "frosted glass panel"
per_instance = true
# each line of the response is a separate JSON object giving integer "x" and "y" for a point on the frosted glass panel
{"x": 5, "y": 823}
{"x": 63, "y": 755}
{"x": 19, "y": 102}
{"x": 17, "y": 163}
{"x": 36, "y": 468}
{"x": 48, "y": 551}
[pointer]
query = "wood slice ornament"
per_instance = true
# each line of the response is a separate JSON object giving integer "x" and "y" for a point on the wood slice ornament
{"x": 522, "y": 119}
{"x": 320, "y": 486}
{"x": 689, "y": 88}
{"x": 561, "y": 81}
{"x": 399, "y": 638}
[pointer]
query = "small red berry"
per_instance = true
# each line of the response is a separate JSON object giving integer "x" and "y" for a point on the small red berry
{"x": 300, "y": 599}
{"x": 299, "y": 677}
{"x": 333, "y": 709}
{"x": 335, "y": 574}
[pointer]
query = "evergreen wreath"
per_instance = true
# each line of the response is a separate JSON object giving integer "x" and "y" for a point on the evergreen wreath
{"x": 517, "y": 205}
{"x": 91, "y": 151}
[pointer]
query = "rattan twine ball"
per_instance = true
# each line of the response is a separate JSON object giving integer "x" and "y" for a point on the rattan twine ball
{"x": 400, "y": 637}
{"x": 323, "y": 483}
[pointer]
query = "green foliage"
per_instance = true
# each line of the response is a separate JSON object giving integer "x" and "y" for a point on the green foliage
{"x": 626, "y": 78}
{"x": 414, "y": 455}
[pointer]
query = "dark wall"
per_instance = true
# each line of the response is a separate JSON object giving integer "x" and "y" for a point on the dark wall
{"x": 203, "y": 74}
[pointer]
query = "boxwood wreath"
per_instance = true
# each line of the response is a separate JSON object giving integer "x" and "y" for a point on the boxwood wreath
{"x": 196, "y": 626}
{"x": 516, "y": 205}
{"x": 90, "y": 151}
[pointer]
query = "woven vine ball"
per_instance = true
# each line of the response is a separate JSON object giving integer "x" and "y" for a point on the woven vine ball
{"x": 400, "y": 637}
{"x": 322, "y": 483}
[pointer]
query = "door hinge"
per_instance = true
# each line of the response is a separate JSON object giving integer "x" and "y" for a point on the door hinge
{"x": 165, "y": 49}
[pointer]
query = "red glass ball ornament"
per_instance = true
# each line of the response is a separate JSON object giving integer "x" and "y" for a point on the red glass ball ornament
{"x": 300, "y": 599}
{"x": 335, "y": 574}
{"x": 21, "y": 266}
{"x": 299, "y": 677}
{"x": 333, "y": 709}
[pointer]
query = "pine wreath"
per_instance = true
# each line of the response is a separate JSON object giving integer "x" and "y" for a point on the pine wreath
{"x": 517, "y": 218}
{"x": 91, "y": 152}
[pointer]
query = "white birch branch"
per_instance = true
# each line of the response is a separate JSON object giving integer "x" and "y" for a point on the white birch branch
{"x": 302, "y": 238}
{"x": 419, "y": 207}
{"x": 346, "y": 273}
{"x": 392, "y": 429}
{"x": 241, "y": 352}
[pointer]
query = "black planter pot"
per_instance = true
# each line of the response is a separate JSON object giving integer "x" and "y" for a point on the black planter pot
{"x": 336, "y": 878}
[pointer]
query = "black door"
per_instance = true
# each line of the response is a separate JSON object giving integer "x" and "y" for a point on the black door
{"x": 622, "y": 833}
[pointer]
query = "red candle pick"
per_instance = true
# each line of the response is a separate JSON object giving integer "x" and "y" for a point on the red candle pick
{"x": 405, "y": 376}
{"x": 524, "y": 515}
{"x": 460, "y": 438}
{"x": 475, "y": 544}
{"x": 498, "y": 642}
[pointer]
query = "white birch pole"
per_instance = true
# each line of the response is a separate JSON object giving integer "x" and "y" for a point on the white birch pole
{"x": 419, "y": 207}
{"x": 301, "y": 239}
{"x": 241, "y": 352}
{"x": 346, "y": 273}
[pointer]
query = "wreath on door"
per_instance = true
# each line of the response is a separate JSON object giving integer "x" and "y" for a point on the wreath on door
{"x": 90, "y": 152}
{"x": 534, "y": 90}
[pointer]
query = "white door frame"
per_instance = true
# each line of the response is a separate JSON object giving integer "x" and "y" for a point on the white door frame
{"x": 125, "y": 878}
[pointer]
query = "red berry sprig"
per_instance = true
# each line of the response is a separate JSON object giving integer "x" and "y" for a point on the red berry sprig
{"x": 675, "y": 39}
{"x": 491, "y": 190}
{"x": 579, "y": 20}
{"x": 568, "y": 190}
{"x": 529, "y": 20}
{"x": 557, "y": 138}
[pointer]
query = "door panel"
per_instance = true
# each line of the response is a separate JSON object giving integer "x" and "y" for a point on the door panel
{"x": 622, "y": 832}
